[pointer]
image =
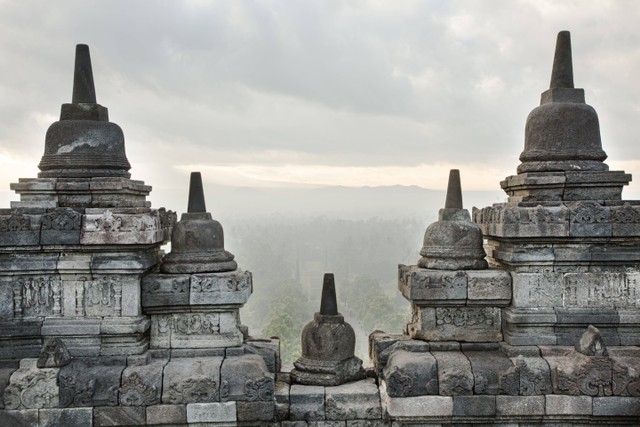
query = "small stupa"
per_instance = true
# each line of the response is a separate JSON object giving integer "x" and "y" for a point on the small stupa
{"x": 328, "y": 345}
{"x": 563, "y": 133}
{"x": 84, "y": 143}
{"x": 453, "y": 242}
{"x": 197, "y": 241}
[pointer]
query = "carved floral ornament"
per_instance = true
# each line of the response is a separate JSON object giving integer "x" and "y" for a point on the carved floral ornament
{"x": 135, "y": 391}
{"x": 15, "y": 222}
{"x": 587, "y": 212}
{"x": 477, "y": 316}
{"x": 523, "y": 381}
{"x": 62, "y": 219}
{"x": 216, "y": 284}
{"x": 260, "y": 389}
{"x": 193, "y": 390}
{"x": 37, "y": 296}
{"x": 189, "y": 324}
{"x": 37, "y": 389}
{"x": 111, "y": 222}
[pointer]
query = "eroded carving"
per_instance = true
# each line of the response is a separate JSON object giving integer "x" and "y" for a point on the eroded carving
{"x": 477, "y": 316}
{"x": 62, "y": 219}
{"x": 134, "y": 391}
{"x": 589, "y": 213}
{"x": 15, "y": 222}
{"x": 37, "y": 296}
{"x": 193, "y": 390}
{"x": 197, "y": 324}
{"x": 259, "y": 389}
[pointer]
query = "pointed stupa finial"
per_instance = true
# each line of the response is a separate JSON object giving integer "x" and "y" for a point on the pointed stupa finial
{"x": 196, "y": 194}
{"x": 84, "y": 90}
{"x": 328, "y": 304}
{"x": 454, "y": 191}
{"x": 562, "y": 73}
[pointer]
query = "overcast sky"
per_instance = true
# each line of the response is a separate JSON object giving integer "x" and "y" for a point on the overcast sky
{"x": 280, "y": 93}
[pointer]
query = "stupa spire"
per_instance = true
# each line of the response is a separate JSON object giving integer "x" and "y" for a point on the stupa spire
{"x": 196, "y": 194}
{"x": 454, "y": 191}
{"x": 328, "y": 303}
{"x": 562, "y": 72}
{"x": 84, "y": 143}
{"x": 84, "y": 90}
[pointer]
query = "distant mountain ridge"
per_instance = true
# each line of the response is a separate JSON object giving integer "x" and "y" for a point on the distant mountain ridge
{"x": 397, "y": 201}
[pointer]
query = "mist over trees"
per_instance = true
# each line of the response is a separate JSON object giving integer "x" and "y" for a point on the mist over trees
{"x": 288, "y": 258}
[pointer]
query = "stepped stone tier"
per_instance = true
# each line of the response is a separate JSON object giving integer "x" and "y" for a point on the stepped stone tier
{"x": 99, "y": 328}
{"x": 550, "y": 333}
{"x": 194, "y": 302}
{"x": 72, "y": 250}
{"x": 453, "y": 242}
{"x": 328, "y": 345}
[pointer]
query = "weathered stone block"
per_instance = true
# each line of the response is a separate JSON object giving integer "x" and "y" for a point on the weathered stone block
{"x": 488, "y": 287}
{"x": 31, "y": 387}
{"x": 216, "y": 412}
{"x": 474, "y": 406}
{"x": 124, "y": 335}
{"x": 616, "y": 406}
{"x": 191, "y": 380}
{"x": 433, "y": 286}
{"x": 486, "y": 367}
{"x": 255, "y": 411}
{"x": 454, "y": 373}
{"x": 590, "y": 219}
{"x": 528, "y": 377}
{"x": 415, "y": 406}
{"x": 69, "y": 417}
{"x": 268, "y": 349}
{"x": 197, "y": 329}
{"x": 380, "y": 346}
{"x": 196, "y": 352}
{"x": 118, "y": 416}
{"x": 112, "y": 227}
{"x": 228, "y": 288}
{"x": 161, "y": 290}
{"x": 281, "y": 394}
{"x": 411, "y": 374}
{"x": 33, "y": 296}
{"x": 475, "y": 324}
{"x": 19, "y": 418}
{"x": 368, "y": 423}
{"x": 355, "y": 400}
{"x": 90, "y": 382}
{"x": 306, "y": 403}
{"x": 326, "y": 424}
{"x": 606, "y": 290}
{"x": 543, "y": 289}
{"x": 530, "y": 326}
{"x": 142, "y": 385}
{"x": 519, "y": 405}
{"x": 246, "y": 377}
{"x": 61, "y": 226}
{"x": 568, "y": 405}
{"x": 166, "y": 414}
{"x": 19, "y": 229}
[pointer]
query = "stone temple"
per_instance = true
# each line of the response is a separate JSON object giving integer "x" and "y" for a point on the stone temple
{"x": 523, "y": 313}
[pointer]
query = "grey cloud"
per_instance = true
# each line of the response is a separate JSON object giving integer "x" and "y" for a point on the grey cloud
{"x": 332, "y": 81}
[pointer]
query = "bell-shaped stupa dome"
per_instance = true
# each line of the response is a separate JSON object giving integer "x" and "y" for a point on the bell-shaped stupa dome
{"x": 563, "y": 133}
{"x": 197, "y": 240}
{"x": 84, "y": 143}
{"x": 328, "y": 345}
{"x": 453, "y": 242}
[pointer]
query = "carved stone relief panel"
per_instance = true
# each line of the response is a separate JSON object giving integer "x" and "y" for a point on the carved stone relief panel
{"x": 601, "y": 290}
{"x": 100, "y": 297}
{"x": 37, "y": 296}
